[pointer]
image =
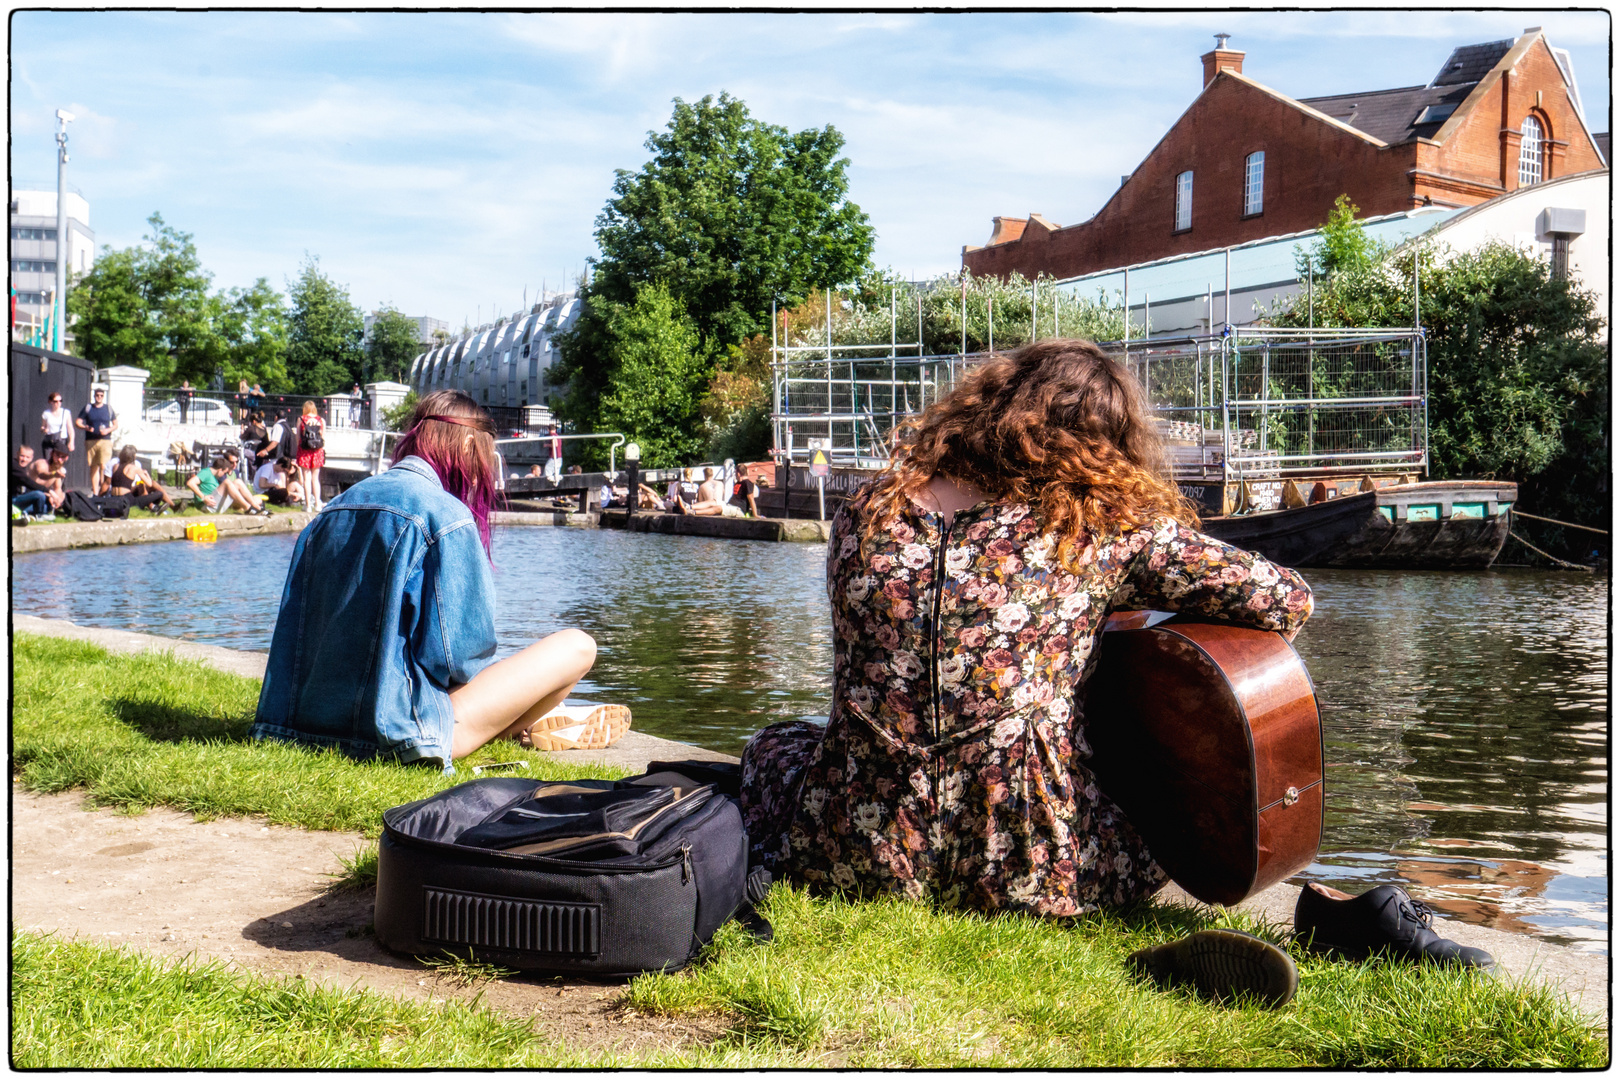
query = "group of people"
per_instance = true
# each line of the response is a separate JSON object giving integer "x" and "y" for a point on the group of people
{"x": 969, "y": 582}
{"x": 286, "y": 457}
{"x": 284, "y": 462}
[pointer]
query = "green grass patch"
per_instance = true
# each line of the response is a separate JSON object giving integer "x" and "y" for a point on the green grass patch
{"x": 155, "y": 730}
{"x": 887, "y": 984}
{"x": 859, "y": 984}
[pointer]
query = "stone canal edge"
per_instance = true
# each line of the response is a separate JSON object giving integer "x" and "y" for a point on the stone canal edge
{"x": 254, "y": 896}
{"x": 84, "y": 534}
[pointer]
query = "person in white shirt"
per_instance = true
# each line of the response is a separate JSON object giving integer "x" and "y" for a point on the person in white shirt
{"x": 56, "y": 428}
{"x": 274, "y": 480}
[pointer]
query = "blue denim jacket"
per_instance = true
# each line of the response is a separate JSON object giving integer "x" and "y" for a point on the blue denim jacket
{"x": 389, "y": 603}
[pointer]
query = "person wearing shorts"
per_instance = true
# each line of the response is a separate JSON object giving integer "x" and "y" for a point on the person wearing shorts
{"x": 98, "y": 422}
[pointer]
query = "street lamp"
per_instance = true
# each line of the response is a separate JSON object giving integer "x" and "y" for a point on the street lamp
{"x": 59, "y": 303}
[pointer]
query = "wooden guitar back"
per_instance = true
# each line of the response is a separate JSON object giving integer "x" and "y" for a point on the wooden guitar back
{"x": 1209, "y": 738}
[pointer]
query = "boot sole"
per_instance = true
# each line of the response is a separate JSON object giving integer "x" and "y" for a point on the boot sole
{"x": 1222, "y": 964}
{"x": 603, "y": 727}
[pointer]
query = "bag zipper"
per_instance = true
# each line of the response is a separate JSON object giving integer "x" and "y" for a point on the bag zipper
{"x": 570, "y": 843}
{"x": 686, "y": 862}
{"x": 559, "y": 864}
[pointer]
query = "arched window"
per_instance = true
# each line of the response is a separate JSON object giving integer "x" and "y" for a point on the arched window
{"x": 1184, "y": 201}
{"x": 1530, "y": 149}
{"x": 1254, "y": 177}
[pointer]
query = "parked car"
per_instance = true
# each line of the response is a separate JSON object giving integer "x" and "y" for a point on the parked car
{"x": 203, "y": 411}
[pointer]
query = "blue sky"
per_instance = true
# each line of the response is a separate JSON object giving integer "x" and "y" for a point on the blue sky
{"x": 443, "y": 162}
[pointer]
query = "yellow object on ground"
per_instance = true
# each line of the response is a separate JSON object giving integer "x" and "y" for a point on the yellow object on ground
{"x": 203, "y": 532}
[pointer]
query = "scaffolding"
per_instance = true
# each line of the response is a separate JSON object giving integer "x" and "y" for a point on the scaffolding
{"x": 1244, "y": 405}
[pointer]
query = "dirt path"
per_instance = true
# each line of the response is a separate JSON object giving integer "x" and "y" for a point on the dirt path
{"x": 254, "y": 896}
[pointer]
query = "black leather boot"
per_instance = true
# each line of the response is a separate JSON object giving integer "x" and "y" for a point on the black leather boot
{"x": 1384, "y": 919}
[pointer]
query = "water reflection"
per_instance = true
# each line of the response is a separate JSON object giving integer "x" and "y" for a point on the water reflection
{"x": 1465, "y": 715}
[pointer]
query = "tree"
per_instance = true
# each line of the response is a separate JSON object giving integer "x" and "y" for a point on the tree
{"x": 663, "y": 368}
{"x": 1341, "y": 245}
{"x": 324, "y": 354}
{"x": 392, "y": 346}
{"x": 729, "y": 215}
{"x": 149, "y": 306}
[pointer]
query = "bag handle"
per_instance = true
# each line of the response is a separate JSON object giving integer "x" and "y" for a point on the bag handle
{"x": 754, "y": 890}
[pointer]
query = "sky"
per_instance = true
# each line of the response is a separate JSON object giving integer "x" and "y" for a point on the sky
{"x": 450, "y": 164}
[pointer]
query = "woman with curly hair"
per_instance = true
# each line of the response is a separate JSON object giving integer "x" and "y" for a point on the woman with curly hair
{"x": 969, "y": 583}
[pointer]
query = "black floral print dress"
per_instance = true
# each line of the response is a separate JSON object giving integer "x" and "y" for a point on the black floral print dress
{"x": 953, "y": 762}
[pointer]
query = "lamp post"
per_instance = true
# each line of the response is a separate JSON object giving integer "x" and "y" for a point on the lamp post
{"x": 59, "y": 302}
{"x": 632, "y": 472}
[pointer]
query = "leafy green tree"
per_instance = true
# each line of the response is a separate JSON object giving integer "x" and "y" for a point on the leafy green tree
{"x": 324, "y": 352}
{"x": 395, "y": 416}
{"x": 729, "y": 215}
{"x": 664, "y": 364}
{"x": 1518, "y": 373}
{"x": 149, "y": 306}
{"x": 391, "y": 346}
{"x": 1341, "y": 245}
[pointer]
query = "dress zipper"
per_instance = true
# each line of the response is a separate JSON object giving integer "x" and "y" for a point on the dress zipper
{"x": 933, "y": 649}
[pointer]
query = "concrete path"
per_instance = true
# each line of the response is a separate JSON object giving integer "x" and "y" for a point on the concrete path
{"x": 1584, "y": 977}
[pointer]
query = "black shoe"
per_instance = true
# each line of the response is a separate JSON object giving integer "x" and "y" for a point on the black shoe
{"x": 1381, "y": 919}
{"x": 1222, "y": 964}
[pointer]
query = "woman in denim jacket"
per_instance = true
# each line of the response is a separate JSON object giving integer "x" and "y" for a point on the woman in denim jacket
{"x": 385, "y": 644}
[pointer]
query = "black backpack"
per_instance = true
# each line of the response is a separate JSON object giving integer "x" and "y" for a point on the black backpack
{"x": 288, "y": 446}
{"x": 593, "y": 877}
{"x": 81, "y": 506}
{"x": 111, "y": 506}
{"x": 309, "y": 436}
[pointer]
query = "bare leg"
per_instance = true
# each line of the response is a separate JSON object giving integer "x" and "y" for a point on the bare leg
{"x": 315, "y": 487}
{"x": 305, "y": 479}
{"x": 709, "y": 509}
{"x": 508, "y": 696}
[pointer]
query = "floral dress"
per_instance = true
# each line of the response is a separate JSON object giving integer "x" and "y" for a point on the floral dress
{"x": 953, "y": 762}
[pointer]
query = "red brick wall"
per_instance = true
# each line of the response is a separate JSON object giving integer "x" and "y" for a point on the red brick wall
{"x": 1480, "y": 150}
{"x": 1309, "y": 163}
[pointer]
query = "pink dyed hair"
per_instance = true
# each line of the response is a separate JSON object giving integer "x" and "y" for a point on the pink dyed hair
{"x": 463, "y": 454}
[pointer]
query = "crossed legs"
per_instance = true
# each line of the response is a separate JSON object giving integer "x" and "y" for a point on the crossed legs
{"x": 509, "y": 695}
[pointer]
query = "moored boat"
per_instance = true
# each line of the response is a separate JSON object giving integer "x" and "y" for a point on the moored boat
{"x": 1440, "y": 525}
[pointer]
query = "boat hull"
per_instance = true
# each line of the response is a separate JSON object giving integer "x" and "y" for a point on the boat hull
{"x": 1449, "y": 525}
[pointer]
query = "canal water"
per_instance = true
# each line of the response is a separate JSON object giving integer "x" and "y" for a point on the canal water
{"x": 1465, "y": 715}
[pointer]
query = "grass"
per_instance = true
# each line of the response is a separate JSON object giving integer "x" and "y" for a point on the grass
{"x": 153, "y": 730}
{"x": 859, "y": 984}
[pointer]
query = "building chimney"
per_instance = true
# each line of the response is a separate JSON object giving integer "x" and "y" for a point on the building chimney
{"x": 1221, "y": 59}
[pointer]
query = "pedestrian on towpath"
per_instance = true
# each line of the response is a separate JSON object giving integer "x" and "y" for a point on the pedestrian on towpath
{"x": 98, "y": 421}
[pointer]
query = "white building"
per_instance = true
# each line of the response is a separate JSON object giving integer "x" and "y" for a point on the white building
{"x": 34, "y": 251}
{"x": 503, "y": 364}
{"x": 1563, "y": 219}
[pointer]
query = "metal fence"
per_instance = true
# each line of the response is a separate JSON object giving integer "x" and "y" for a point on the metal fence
{"x": 1271, "y": 402}
{"x": 1291, "y": 401}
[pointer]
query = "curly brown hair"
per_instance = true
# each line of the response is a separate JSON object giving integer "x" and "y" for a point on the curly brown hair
{"x": 1056, "y": 424}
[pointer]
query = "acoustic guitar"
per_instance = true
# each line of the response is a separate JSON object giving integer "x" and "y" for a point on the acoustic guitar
{"x": 1208, "y": 736}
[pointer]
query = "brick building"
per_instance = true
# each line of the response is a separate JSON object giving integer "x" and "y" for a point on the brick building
{"x": 1245, "y": 162}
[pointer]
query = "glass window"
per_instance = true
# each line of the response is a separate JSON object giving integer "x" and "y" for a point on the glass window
{"x": 1184, "y": 201}
{"x": 1530, "y": 152}
{"x": 1254, "y": 177}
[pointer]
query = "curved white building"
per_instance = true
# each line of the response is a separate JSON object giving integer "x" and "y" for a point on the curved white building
{"x": 502, "y": 364}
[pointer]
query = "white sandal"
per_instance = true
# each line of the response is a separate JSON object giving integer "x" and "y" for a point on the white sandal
{"x": 577, "y": 727}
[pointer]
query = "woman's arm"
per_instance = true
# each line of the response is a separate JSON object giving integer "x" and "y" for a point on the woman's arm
{"x": 1175, "y": 568}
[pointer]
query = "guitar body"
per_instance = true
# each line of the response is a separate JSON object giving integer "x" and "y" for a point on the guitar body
{"x": 1209, "y": 738}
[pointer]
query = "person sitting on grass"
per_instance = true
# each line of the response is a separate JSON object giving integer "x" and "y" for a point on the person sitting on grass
{"x": 385, "y": 642}
{"x": 276, "y": 482}
{"x": 50, "y": 471}
{"x": 27, "y": 494}
{"x": 136, "y": 484}
{"x": 970, "y": 582}
{"x": 214, "y": 490}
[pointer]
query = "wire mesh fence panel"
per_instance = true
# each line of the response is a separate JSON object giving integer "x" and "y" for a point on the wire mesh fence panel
{"x": 1273, "y": 401}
